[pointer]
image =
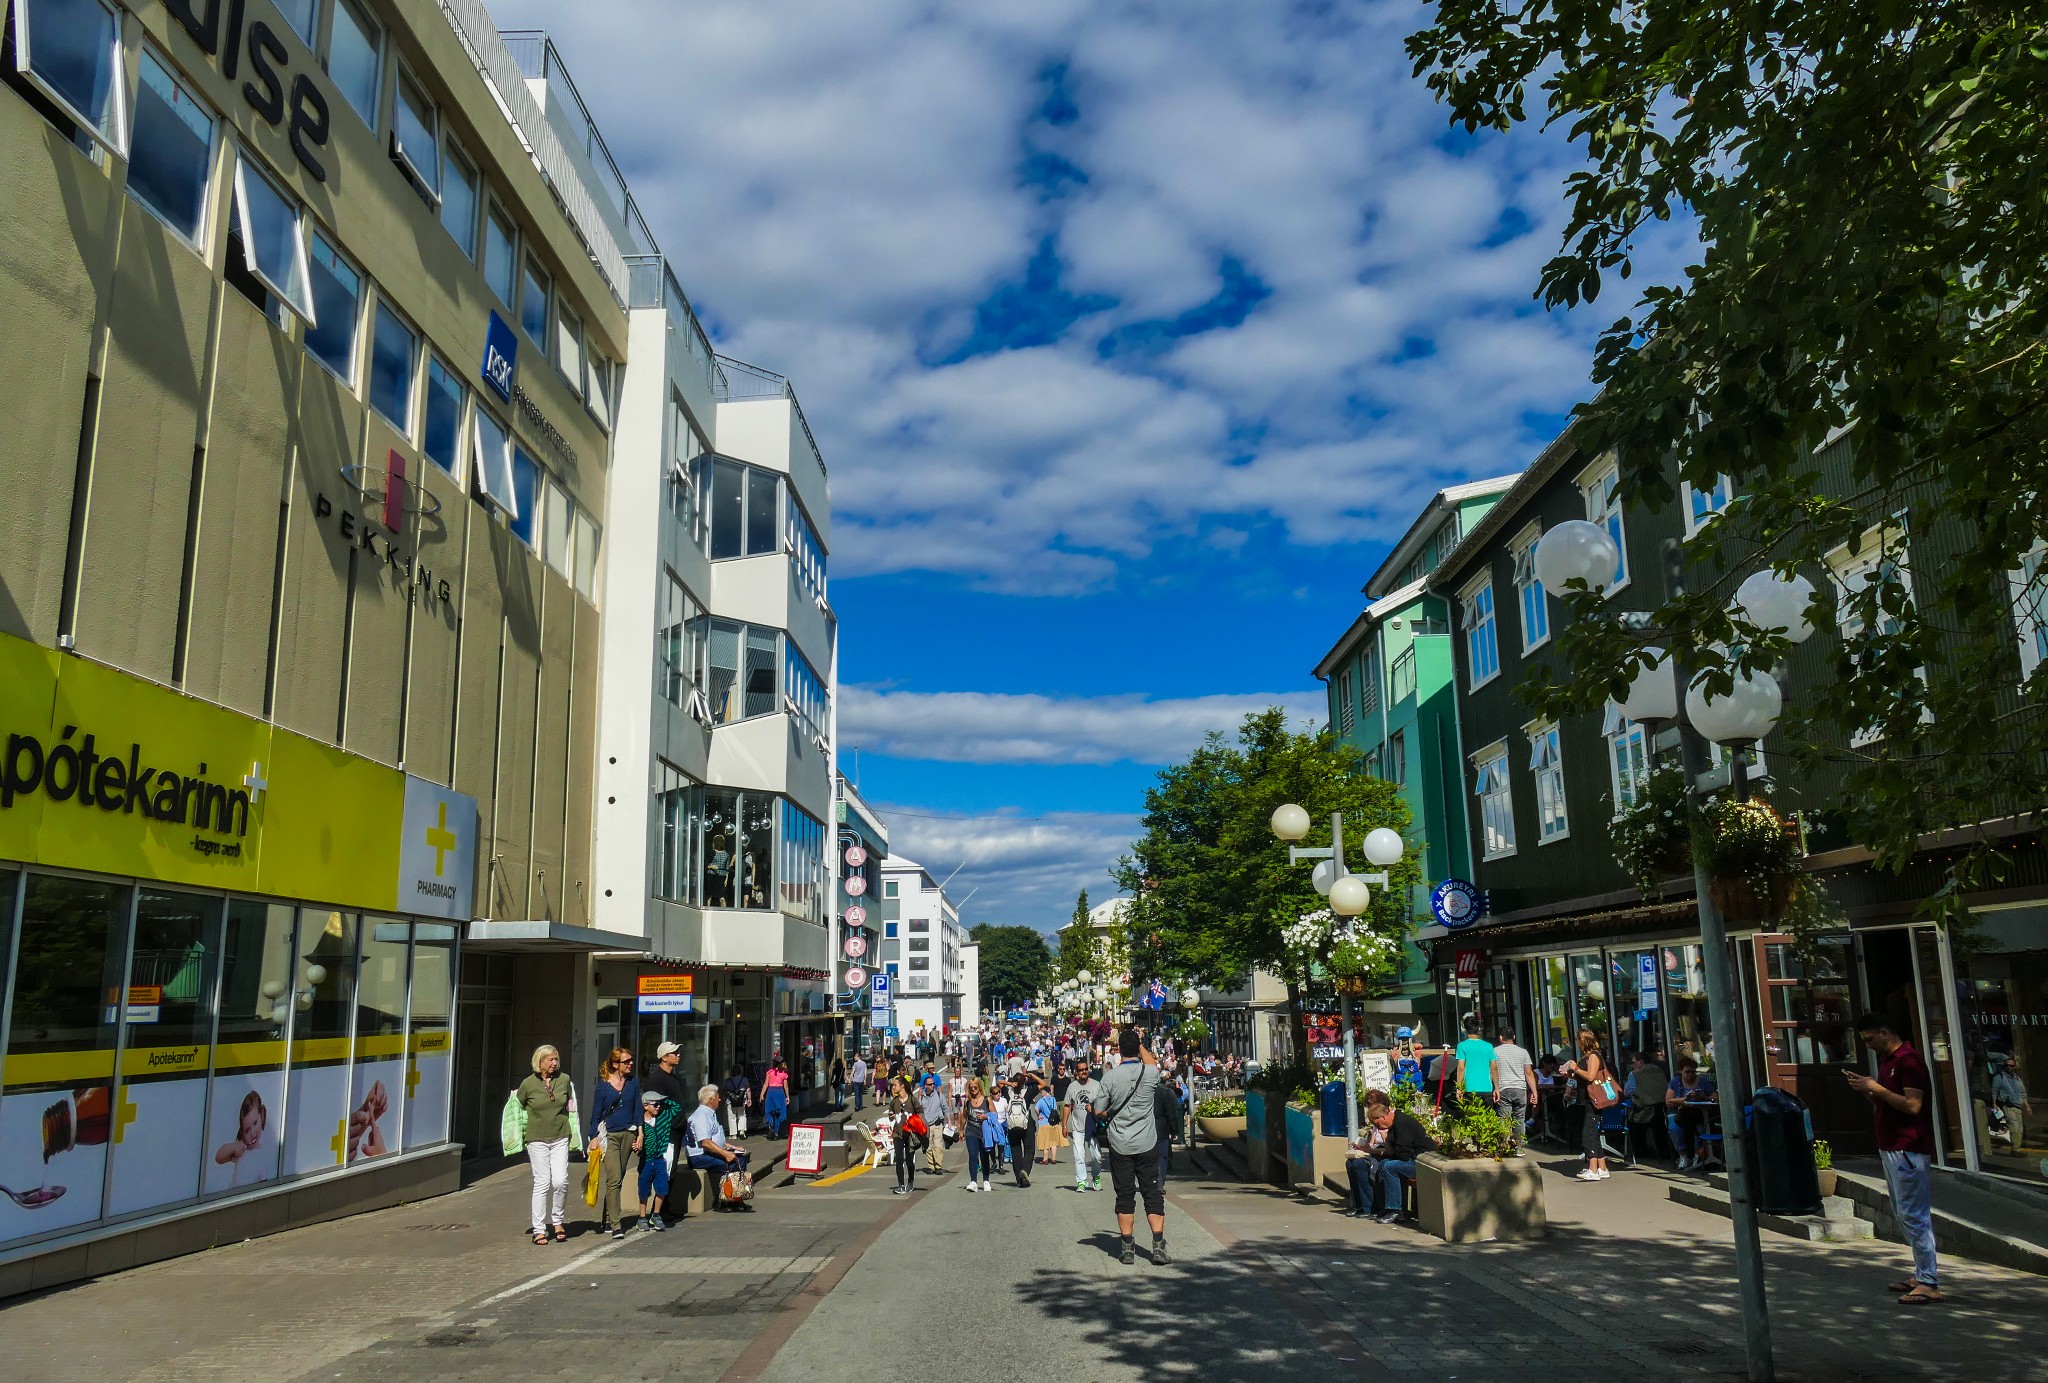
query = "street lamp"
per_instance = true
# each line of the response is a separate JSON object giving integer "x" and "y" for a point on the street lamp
{"x": 1737, "y": 718}
{"x": 1349, "y": 896}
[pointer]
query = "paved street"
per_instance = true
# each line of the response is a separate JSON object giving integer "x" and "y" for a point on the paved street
{"x": 827, "y": 1278}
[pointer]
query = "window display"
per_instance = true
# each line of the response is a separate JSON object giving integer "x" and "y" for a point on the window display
{"x": 168, "y": 1026}
{"x": 323, "y": 999}
{"x": 245, "y": 1126}
{"x": 430, "y": 1047}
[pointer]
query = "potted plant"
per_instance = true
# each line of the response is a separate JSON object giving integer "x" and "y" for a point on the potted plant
{"x": 1221, "y": 1118}
{"x": 1751, "y": 856}
{"x": 1653, "y": 835}
{"x": 1824, "y": 1166}
{"x": 1476, "y": 1186}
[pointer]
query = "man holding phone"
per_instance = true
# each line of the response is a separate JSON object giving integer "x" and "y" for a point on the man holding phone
{"x": 1905, "y": 1144}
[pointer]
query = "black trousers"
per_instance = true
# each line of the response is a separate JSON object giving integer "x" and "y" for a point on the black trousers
{"x": 1133, "y": 1174}
{"x": 1023, "y": 1148}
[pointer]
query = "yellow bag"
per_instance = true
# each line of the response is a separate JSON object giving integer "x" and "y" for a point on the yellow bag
{"x": 593, "y": 1183}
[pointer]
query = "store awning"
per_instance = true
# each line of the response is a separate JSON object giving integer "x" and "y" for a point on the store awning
{"x": 542, "y": 935}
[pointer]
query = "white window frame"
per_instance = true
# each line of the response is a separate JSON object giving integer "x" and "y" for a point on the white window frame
{"x": 2030, "y": 607}
{"x": 377, "y": 43}
{"x": 112, "y": 134}
{"x": 1546, "y": 765}
{"x": 491, "y": 450}
{"x": 416, "y": 375}
{"x": 1474, "y": 622}
{"x": 1524, "y": 550}
{"x": 1599, "y": 486}
{"x": 1340, "y": 693}
{"x": 202, "y": 235}
{"x": 426, "y": 183}
{"x": 1850, "y": 567}
{"x": 302, "y": 308}
{"x": 1494, "y": 786}
{"x": 1724, "y": 491}
{"x": 1628, "y": 758}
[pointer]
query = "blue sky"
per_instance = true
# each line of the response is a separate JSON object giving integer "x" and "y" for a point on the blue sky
{"x": 1132, "y": 334}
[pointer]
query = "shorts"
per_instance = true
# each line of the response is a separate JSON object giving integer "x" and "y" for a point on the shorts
{"x": 1133, "y": 1174}
{"x": 653, "y": 1175}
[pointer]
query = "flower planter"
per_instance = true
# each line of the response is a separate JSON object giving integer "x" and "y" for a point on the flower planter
{"x": 1472, "y": 1200}
{"x": 1826, "y": 1177}
{"x": 1220, "y": 1130}
{"x": 1752, "y": 900}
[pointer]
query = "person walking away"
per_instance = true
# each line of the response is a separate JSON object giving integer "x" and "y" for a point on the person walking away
{"x": 1050, "y": 1136}
{"x": 858, "y": 1077}
{"x": 2009, "y": 1097}
{"x": 1124, "y": 1101}
{"x": 709, "y": 1152}
{"x": 653, "y": 1141}
{"x": 1080, "y": 1103}
{"x": 1406, "y": 1140}
{"x": 1905, "y": 1143}
{"x": 1514, "y": 1083}
{"x": 614, "y": 1110}
{"x": 1593, "y": 1087}
{"x": 838, "y": 1083}
{"x": 738, "y": 1098}
{"x": 1170, "y": 1119}
{"x": 548, "y": 1100}
{"x": 977, "y": 1126}
{"x": 934, "y": 1106}
{"x": 901, "y": 1108}
{"x": 775, "y": 1098}
{"x": 1474, "y": 1058}
{"x": 1362, "y": 1159}
{"x": 1022, "y": 1124}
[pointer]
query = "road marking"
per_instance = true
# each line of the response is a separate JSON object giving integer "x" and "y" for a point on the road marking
{"x": 837, "y": 1177}
{"x": 584, "y": 1264}
{"x": 765, "y": 1267}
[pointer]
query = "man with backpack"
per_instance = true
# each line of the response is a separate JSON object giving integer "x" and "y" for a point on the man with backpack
{"x": 1080, "y": 1098}
{"x": 1125, "y": 1103}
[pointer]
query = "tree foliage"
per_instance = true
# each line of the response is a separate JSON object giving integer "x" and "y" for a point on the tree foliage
{"x": 1869, "y": 180}
{"x": 1015, "y": 963}
{"x": 1077, "y": 943}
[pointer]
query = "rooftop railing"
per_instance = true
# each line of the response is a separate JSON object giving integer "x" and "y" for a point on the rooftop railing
{"x": 654, "y": 285}
{"x": 742, "y": 382}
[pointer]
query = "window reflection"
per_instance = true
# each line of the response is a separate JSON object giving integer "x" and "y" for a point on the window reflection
{"x": 324, "y": 1003}
{"x": 245, "y": 1128}
{"x": 169, "y": 1023}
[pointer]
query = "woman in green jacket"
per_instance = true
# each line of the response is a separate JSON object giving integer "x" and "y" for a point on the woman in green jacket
{"x": 546, "y": 1099}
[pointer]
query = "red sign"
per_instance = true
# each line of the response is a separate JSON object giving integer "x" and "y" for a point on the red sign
{"x": 856, "y": 916}
{"x": 1466, "y": 966}
{"x": 856, "y": 947}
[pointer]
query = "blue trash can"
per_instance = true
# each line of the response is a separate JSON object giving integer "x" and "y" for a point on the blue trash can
{"x": 1782, "y": 1129}
{"x": 1335, "y": 1125}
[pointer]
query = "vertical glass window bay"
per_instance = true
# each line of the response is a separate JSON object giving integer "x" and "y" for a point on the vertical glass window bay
{"x": 762, "y": 520}
{"x": 494, "y": 463}
{"x": 442, "y": 439}
{"x": 525, "y": 495}
{"x": 416, "y": 137}
{"x": 337, "y": 292}
{"x": 71, "y": 51}
{"x": 355, "y": 60}
{"x": 273, "y": 236}
{"x": 458, "y": 199}
{"x": 533, "y": 304}
{"x": 500, "y": 255}
{"x": 170, "y": 149}
{"x": 1496, "y": 803}
{"x": 761, "y": 699}
{"x": 728, "y": 508}
{"x": 394, "y": 358}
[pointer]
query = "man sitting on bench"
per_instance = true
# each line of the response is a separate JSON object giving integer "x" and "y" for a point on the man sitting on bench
{"x": 1406, "y": 1140}
{"x": 706, "y": 1138}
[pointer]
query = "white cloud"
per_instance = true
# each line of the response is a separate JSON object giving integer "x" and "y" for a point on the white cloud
{"x": 840, "y": 189}
{"x": 1014, "y": 870}
{"x": 1000, "y": 728}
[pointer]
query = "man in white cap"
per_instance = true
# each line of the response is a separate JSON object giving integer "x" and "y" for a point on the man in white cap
{"x": 663, "y": 1080}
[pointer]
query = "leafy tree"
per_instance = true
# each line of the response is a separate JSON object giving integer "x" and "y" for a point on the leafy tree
{"x": 1077, "y": 943}
{"x": 1212, "y": 890}
{"x": 1867, "y": 182}
{"x": 1015, "y": 963}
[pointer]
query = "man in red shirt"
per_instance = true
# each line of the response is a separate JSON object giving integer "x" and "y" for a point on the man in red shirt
{"x": 1905, "y": 1142}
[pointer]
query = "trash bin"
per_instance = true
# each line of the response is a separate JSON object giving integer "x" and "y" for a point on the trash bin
{"x": 1782, "y": 1136}
{"x": 1335, "y": 1123}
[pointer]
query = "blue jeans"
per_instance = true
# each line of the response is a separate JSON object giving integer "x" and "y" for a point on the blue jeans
{"x": 1911, "y": 1179}
{"x": 1087, "y": 1152}
{"x": 705, "y": 1162}
{"x": 775, "y": 1110}
{"x": 653, "y": 1176}
{"x": 860, "y": 1094}
{"x": 977, "y": 1160}
{"x": 1392, "y": 1174}
{"x": 1365, "y": 1189}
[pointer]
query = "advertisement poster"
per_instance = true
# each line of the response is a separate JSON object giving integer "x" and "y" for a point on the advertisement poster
{"x": 373, "y": 1112}
{"x": 242, "y": 1138}
{"x": 427, "y": 1090}
{"x": 53, "y": 1158}
{"x": 1376, "y": 1070}
{"x": 806, "y": 1149}
{"x": 157, "y": 1133}
{"x": 318, "y": 1135}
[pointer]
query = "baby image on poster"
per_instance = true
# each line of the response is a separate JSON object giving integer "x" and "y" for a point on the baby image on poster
{"x": 244, "y": 1143}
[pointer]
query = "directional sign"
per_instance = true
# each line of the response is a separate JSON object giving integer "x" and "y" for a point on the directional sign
{"x": 856, "y": 886}
{"x": 856, "y": 978}
{"x": 855, "y": 947}
{"x": 856, "y": 916}
{"x": 855, "y": 857}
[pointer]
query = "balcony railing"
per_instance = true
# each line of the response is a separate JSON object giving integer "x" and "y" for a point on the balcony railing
{"x": 743, "y": 382}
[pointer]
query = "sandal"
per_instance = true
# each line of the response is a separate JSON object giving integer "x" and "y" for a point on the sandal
{"x": 561, "y": 1235}
{"x": 540, "y": 1239}
{"x": 1904, "y": 1284}
{"x": 1921, "y": 1295}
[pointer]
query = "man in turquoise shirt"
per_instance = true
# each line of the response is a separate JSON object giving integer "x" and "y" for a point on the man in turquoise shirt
{"x": 1475, "y": 1063}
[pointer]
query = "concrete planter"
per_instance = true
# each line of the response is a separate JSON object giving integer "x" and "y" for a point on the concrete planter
{"x": 1301, "y": 1146}
{"x": 1471, "y": 1200}
{"x": 1265, "y": 1138}
{"x": 1220, "y": 1130}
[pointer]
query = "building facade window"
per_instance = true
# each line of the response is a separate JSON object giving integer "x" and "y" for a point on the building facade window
{"x": 1876, "y": 567}
{"x": 805, "y": 690}
{"x": 569, "y": 348}
{"x": 441, "y": 434}
{"x": 269, "y": 232}
{"x": 558, "y": 529}
{"x": 764, "y": 527}
{"x": 1546, "y": 763}
{"x": 533, "y": 304}
{"x": 1496, "y": 801}
{"x": 494, "y": 462}
{"x": 1340, "y": 693}
{"x": 741, "y": 678}
{"x": 355, "y": 59}
{"x": 1701, "y": 506}
{"x": 676, "y": 868}
{"x": 1482, "y": 652}
{"x": 2030, "y": 608}
{"x": 1369, "y": 678}
{"x": 525, "y": 513}
{"x": 304, "y": 17}
{"x": 745, "y": 510}
{"x": 680, "y": 635}
{"x": 501, "y": 255}
{"x": 70, "y": 50}
{"x": 1600, "y": 484}
{"x": 1401, "y": 676}
{"x": 807, "y": 554}
{"x": 802, "y": 863}
{"x": 588, "y": 537}
{"x": 1530, "y": 596}
{"x": 394, "y": 364}
{"x": 889, "y": 888}
{"x": 1397, "y": 757}
{"x": 170, "y": 150}
{"x": 739, "y": 849}
{"x": 416, "y": 138}
{"x": 459, "y": 187}
{"x": 337, "y": 307}
{"x": 1628, "y": 762}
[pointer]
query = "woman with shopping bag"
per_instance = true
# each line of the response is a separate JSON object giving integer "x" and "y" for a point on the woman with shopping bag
{"x": 538, "y": 1118}
{"x": 614, "y": 1118}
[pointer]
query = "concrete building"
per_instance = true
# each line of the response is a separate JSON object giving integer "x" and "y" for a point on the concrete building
{"x": 311, "y": 340}
{"x": 921, "y": 941}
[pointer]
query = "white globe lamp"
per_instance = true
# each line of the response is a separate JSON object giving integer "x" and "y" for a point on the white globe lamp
{"x": 1349, "y": 896}
{"x": 1290, "y": 822}
{"x": 1190, "y": 998}
{"x": 1748, "y": 711}
{"x": 1086, "y": 977}
{"x": 1576, "y": 550}
{"x": 1325, "y": 875}
{"x": 1770, "y": 601}
{"x": 1383, "y": 846}
{"x": 315, "y": 974}
{"x": 1653, "y": 695}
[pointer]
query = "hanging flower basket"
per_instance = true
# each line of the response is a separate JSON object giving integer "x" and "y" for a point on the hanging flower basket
{"x": 1353, "y": 985}
{"x": 1753, "y": 899}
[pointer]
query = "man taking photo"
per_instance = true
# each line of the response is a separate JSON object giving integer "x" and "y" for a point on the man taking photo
{"x": 1125, "y": 1104}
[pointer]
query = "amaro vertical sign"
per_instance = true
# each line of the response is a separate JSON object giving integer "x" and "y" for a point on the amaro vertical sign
{"x": 501, "y": 358}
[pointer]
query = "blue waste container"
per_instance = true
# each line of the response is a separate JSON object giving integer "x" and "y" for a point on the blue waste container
{"x": 1782, "y": 1137}
{"x": 1335, "y": 1124}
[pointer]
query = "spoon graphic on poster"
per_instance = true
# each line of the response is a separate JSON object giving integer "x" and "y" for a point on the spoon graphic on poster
{"x": 35, "y": 1198}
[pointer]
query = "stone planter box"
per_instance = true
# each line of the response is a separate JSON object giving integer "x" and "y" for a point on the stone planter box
{"x": 1220, "y": 1130}
{"x": 1472, "y": 1200}
{"x": 1330, "y": 1160}
{"x": 1301, "y": 1146}
{"x": 1265, "y": 1138}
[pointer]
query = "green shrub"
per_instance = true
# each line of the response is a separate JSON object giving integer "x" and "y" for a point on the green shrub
{"x": 1221, "y": 1107}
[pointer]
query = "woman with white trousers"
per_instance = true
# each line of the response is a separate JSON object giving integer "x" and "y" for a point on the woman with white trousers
{"x": 549, "y": 1103}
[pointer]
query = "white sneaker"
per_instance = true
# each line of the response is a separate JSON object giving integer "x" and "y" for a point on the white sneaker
{"x": 985, "y": 1185}
{"x": 971, "y": 1186}
{"x": 1684, "y": 1164}
{"x": 1589, "y": 1175}
{"x": 1605, "y": 1175}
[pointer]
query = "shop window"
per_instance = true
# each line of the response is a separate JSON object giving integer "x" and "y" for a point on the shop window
{"x": 459, "y": 185}
{"x": 56, "y": 1116}
{"x": 323, "y": 986}
{"x": 525, "y": 495}
{"x": 1482, "y": 653}
{"x": 430, "y": 1045}
{"x": 303, "y": 16}
{"x": 533, "y": 304}
{"x": 494, "y": 463}
{"x": 501, "y": 255}
{"x": 588, "y": 535}
{"x": 721, "y": 847}
{"x": 355, "y": 59}
{"x": 569, "y": 348}
{"x": 268, "y": 243}
{"x": 441, "y": 438}
{"x": 1530, "y": 596}
{"x": 1600, "y": 486}
{"x": 170, "y": 158}
{"x": 676, "y": 806}
{"x": 168, "y": 1025}
{"x": 1496, "y": 802}
{"x": 376, "y": 1093}
{"x": 416, "y": 138}
{"x": 757, "y": 850}
{"x": 394, "y": 361}
{"x": 70, "y": 51}
{"x": 1546, "y": 763}
{"x": 337, "y": 303}
{"x": 558, "y": 532}
{"x": 258, "y": 1000}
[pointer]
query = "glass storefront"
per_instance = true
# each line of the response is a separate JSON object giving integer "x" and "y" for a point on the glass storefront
{"x": 167, "y": 1045}
{"x": 2001, "y": 970}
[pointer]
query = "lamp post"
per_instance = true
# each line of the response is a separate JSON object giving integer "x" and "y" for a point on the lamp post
{"x": 1349, "y": 896}
{"x": 1738, "y": 718}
